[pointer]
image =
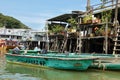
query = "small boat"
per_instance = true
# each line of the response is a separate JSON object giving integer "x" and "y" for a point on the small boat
{"x": 70, "y": 61}
{"x": 5, "y": 45}
{"x": 106, "y": 61}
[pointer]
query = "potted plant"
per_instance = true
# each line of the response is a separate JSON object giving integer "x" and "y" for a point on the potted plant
{"x": 57, "y": 29}
{"x": 101, "y": 31}
{"x": 87, "y": 19}
{"x": 97, "y": 31}
{"x": 73, "y": 24}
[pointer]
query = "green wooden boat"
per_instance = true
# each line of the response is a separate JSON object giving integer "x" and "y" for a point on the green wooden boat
{"x": 56, "y": 60}
{"x": 106, "y": 61}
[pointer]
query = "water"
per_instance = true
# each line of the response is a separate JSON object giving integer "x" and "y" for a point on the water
{"x": 10, "y": 71}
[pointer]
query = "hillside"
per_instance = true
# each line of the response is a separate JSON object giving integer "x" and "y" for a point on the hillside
{"x": 10, "y": 22}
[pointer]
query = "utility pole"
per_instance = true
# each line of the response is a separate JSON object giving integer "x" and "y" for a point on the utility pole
{"x": 88, "y": 7}
{"x": 119, "y": 3}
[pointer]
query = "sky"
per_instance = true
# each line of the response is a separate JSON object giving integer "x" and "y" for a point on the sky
{"x": 34, "y": 13}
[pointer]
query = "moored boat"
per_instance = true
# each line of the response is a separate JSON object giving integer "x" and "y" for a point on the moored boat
{"x": 106, "y": 61}
{"x": 54, "y": 60}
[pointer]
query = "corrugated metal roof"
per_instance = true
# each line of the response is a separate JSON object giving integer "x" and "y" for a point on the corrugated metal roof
{"x": 65, "y": 17}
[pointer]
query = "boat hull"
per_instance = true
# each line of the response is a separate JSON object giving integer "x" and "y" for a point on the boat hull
{"x": 106, "y": 61}
{"x": 52, "y": 62}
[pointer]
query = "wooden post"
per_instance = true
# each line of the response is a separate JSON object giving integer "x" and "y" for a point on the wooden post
{"x": 116, "y": 13}
{"x": 39, "y": 43}
{"x": 106, "y": 36}
{"x": 70, "y": 45}
{"x": 47, "y": 37}
{"x": 56, "y": 44}
{"x": 80, "y": 45}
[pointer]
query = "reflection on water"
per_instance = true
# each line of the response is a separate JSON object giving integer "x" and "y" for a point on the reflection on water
{"x": 6, "y": 74}
{"x": 20, "y": 72}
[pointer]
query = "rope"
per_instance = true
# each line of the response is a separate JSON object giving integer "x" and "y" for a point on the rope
{"x": 104, "y": 67}
{"x": 101, "y": 65}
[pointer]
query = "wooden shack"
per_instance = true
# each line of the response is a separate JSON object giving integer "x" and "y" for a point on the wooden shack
{"x": 97, "y": 29}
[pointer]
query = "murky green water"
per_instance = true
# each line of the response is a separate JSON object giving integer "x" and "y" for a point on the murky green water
{"x": 20, "y": 72}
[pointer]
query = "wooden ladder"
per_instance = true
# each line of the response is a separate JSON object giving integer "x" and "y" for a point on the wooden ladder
{"x": 63, "y": 45}
{"x": 116, "y": 48}
{"x": 52, "y": 45}
{"x": 56, "y": 44}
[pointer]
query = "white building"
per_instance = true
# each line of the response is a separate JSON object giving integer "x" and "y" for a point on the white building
{"x": 21, "y": 34}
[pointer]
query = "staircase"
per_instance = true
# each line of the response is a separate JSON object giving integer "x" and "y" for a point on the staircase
{"x": 116, "y": 48}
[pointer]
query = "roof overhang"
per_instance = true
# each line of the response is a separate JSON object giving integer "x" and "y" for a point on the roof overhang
{"x": 65, "y": 17}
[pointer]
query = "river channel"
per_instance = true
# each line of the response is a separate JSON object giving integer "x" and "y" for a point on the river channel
{"x": 10, "y": 71}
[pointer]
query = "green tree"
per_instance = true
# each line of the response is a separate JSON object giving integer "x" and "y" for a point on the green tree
{"x": 10, "y": 22}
